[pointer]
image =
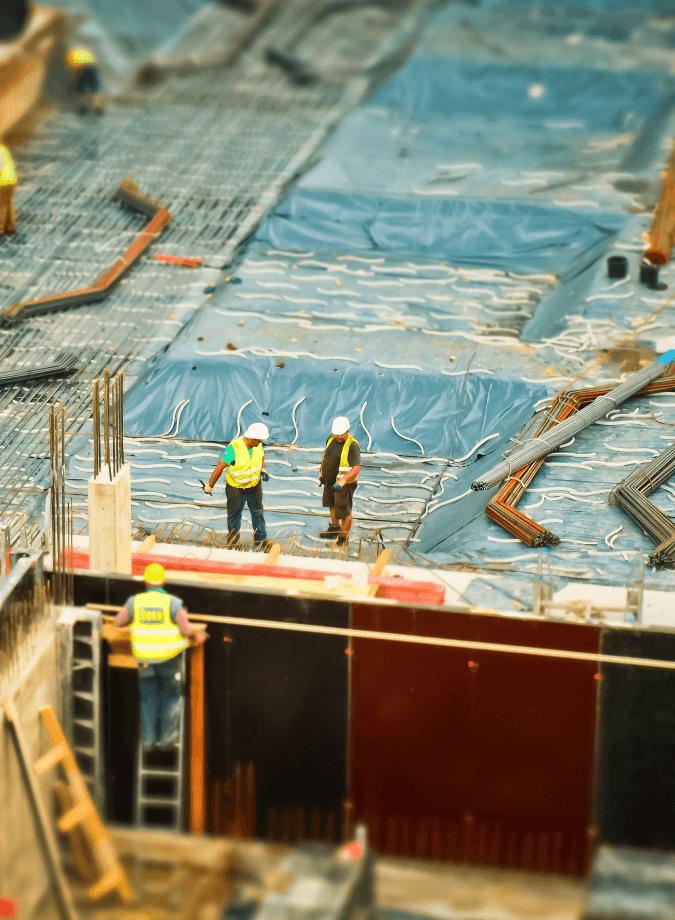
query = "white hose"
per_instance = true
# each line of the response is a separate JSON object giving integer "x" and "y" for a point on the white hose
{"x": 404, "y": 437}
{"x": 363, "y": 425}
{"x": 295, "y": 424}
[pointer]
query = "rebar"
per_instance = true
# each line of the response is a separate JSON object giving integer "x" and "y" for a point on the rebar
{"x": 111, "y": 392}
{"x": 540, "y": 446}
{"x": 61, "y": 510}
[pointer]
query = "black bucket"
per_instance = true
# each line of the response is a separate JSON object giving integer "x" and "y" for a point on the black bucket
{"x": 13, "y": 18}
{"x": 649, "y": 275}
{"x": 617, "y": 267}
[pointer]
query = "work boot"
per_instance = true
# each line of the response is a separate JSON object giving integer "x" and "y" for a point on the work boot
{"x": 343, "y": 539}
{"x": 331, "y": 532}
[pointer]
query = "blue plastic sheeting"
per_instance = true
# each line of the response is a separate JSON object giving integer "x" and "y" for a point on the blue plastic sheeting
{"x": 428, "y": 87}
{"x": 143, "y": 24}
{"x": 516, "y": 236}
{"x": 447, "y": 416}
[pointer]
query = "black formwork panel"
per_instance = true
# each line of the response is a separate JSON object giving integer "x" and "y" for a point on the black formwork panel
{"x": 635, "y": 779}
{"x": 280, "y": 703}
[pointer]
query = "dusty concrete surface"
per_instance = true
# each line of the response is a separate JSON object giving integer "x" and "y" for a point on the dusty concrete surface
{"x": 23, "y": 873}
{"x": 452, "y": 892}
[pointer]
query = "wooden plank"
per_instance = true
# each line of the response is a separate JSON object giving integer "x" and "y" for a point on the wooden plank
{"x": 197, "y": 751}
{"x": 378, "y": 567}
{"x": 273, "y": 554}
{"x": 45, "y": 832}
{"x": 122, "y": 661}
{"x": 163, "y": 846}
{"x": 147, "y": 544}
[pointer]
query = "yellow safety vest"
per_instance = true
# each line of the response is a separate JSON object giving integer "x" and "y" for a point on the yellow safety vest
{"x": 80, "y": 57}
{"x": 153, "y": 636}
{"x": 345, "y": 466}
{"x": 7, "y": 168}
{"x": 247, "y": 467}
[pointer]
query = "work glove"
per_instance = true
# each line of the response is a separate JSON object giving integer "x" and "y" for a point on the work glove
{"x": 337, "y": 486}
{"x": 265, "y": 476}
{"x": 206, "y": 488}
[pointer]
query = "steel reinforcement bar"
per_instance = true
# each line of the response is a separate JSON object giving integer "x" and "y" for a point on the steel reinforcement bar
{"x": 127, "y": 194}
{"x": 501, "y": 507}
{"x": 632, "y": 493}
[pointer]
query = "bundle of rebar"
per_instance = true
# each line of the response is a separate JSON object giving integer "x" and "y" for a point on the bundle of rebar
{"x": 61, "y": 510}
{"x": 111, "y": 393}
{"x": 632, "y": 493}
{"x": 65, "y": 364}
{"x": 540, "y": 446}
{"x": 501, "y": 508}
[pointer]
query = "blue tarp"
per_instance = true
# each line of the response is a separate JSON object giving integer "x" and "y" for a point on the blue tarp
{"x": 514, "y": 236}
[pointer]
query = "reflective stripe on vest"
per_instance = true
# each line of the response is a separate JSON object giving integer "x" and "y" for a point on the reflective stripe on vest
{"x": 245, "y": 474}
{"x": 80, "y": 57}
{"x": 344, "y": 454}
{"x": 153, "y": 636}
{"x": 7, "y": 168}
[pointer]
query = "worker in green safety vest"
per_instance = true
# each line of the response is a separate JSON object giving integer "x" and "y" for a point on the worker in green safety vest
{"x": 244, "y": 461}
{"x": 340, "y": 468}
{"x": 160, "y": 632}
{"x": 7, "y": 186}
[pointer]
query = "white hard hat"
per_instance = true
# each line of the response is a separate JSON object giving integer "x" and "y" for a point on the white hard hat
{"x": 340, "y": 425}
{"x": 257, "y": 432}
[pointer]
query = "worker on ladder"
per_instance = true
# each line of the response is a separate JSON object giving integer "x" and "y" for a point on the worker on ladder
{"x": 7, "y": 186}
{"x": 340, "y": 468}
{"x": 82, "y": 62}
{"x": 160, "y": 631}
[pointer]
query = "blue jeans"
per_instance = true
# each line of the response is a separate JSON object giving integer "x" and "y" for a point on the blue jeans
{"x": 160, "y": 689}
{"x": 236, "y": 499}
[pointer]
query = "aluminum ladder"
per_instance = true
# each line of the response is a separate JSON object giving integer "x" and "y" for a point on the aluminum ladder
{"x": 160, "y": 778}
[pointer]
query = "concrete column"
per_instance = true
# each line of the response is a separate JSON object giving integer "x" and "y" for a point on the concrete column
{"x": 110, "y": 521}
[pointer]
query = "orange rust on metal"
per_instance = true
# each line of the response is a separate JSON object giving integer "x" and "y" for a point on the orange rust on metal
{"x": 197, "y": 787}
{"x": 185, "y": 261}
{"x": 662, "y": 231}
{"x": 501, "y": 507}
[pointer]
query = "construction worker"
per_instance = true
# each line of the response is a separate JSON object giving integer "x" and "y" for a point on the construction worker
{"x": 160, "y": 631}
{"x": 244, "y": 460}
{"x": 7, "y": 186}
{"x": 83, "y": 64}
{"x": 340, "y": 469}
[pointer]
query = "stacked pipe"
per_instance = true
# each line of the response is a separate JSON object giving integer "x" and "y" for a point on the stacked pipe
{"x": 501, "y": 508}
{"x": 65, "y": 364}
{"x": 632, "y": 493}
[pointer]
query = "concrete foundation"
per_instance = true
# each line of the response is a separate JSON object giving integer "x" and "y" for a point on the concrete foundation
{"x": 110, "y": 521}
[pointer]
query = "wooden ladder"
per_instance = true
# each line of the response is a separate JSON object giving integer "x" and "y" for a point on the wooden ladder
{"x": 83, "y": 814}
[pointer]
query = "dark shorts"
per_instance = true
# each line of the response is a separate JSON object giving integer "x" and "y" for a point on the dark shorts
{"x": 341, "y": 501}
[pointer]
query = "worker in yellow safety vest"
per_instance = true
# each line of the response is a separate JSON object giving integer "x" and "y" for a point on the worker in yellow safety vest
{"x": 340, "y": 468}
{"x": 82, "y": 62}
{"x": 7, "y": 186}
{"x": 160, "y": 632}
{"x": 244, "y": 460}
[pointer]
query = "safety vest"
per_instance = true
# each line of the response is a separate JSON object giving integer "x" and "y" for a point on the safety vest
{"x": 153, "y": 636}
{"x": 247, "y": 467}
{"x": 345, "y": 466}
{"x": 7, "y": 168}
{"x": 80, "y": 57}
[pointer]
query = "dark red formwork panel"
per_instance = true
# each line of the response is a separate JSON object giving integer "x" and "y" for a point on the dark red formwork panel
{"x": 467, "y": 755}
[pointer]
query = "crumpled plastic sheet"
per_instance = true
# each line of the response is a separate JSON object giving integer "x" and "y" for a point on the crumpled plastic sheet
{"x": 515, "y": 236}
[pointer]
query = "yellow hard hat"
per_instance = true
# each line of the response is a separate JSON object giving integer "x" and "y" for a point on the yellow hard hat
{"x": 154, "y": 574}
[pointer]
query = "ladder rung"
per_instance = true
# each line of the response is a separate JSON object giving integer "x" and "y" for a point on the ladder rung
{"x": 50, "y": 759}
{"x": 83, "y": 694}
{"x": 84, "y": 750}
{"x": 75, "y": 815}
{"x": 145, "y": 773}
{"x": 105, "y": 884}
{"x": 172, "y": 803}
{"x": 88, "y": 723}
